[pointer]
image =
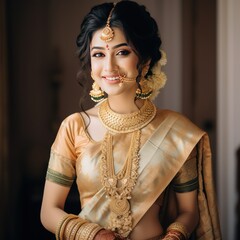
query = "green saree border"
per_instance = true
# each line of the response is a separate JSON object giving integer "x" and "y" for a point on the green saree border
{"x": 59, "y": 178}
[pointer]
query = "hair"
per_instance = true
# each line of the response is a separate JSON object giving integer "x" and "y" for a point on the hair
{"x": 140, "y": 29}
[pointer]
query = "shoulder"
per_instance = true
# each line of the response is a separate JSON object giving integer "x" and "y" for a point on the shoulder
{"x": 73, "y": 124}
{"x": 178, "y": 121}
{"x": 73, "y": 119}
{"x": 167, "y": 114}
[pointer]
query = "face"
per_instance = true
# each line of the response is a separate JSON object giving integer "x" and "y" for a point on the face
{"x": 111, "y": 60}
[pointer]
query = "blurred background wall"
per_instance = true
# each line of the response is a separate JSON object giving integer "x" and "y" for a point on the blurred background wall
{"x": 38, "y": 88}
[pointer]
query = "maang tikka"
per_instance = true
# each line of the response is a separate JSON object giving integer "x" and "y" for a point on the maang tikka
{"x": 108, "y": 33}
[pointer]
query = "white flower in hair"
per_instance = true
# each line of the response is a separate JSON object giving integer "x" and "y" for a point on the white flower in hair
{"x": 158, "y": 79}
{"x": 163, "y": 60}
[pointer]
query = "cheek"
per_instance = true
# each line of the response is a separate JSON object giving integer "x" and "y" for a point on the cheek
{"x": 132, "y": 63}
{"x": 95, "y": 66}
{"x": 132, "y": 66}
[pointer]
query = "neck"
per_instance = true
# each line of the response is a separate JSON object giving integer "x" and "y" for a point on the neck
{"x": 124, "y": 105}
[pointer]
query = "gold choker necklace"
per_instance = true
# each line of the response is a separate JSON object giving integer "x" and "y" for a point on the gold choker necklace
{"x": 125, "y": 123}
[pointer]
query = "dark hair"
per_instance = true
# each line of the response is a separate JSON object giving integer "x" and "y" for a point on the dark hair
{"x": 139, "y": 27}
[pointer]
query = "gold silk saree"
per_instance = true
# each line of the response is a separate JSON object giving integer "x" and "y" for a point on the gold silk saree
{"x": 166, "y": 144}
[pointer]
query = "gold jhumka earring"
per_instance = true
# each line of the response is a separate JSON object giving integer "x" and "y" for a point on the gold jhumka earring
{"x": 144, "y": 91}
{"x": 96, "y": 93}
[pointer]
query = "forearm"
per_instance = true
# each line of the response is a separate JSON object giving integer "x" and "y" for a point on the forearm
{"x": 73, "y": 227}
{"x": 189, "y": 220}
{"x": 182, "y": 227}
{"x": 51, "y": 217}
{"x": 52, "y": 210}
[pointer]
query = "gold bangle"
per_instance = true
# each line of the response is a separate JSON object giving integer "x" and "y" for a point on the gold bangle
{"x": 63, "y": 228}
{"x": 82, "y": 232}
{"x": 177, "y": 226}
{"x": 74, "y": 230}
{"x": 58, "y": 228}
{"x": 95, "y": 230}
{"x": 174, "y": 235}
{"x": 78, "y": 233}
{"x": 86, "y": 230}
{"x": 75, "y": 226}
{"x": 68, "y": 228}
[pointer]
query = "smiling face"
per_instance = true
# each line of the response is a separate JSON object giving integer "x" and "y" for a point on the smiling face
{"x": 110, "y": 61}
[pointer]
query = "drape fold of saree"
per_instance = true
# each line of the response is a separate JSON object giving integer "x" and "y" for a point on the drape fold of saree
{"x": 208, "y": 227}
{"x": 161, "y": 158}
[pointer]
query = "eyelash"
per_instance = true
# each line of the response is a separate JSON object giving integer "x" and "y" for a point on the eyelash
{"x": 97, "y": 55}
{"x": 121, "y": 53}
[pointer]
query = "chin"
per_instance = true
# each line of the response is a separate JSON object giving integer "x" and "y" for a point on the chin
{"x": 114, "y": 90}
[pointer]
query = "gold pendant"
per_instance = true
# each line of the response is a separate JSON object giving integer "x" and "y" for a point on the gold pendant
{"x": 119, "y": 206}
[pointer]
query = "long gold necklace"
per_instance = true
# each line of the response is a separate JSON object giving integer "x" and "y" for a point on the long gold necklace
{"x": 118, "y": 186}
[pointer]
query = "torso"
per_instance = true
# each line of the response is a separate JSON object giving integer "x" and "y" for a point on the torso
{"x": 149, "y": 226}
{"x": 77, "y": 151}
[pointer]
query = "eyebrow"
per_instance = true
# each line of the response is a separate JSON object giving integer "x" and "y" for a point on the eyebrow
{"x": 114, "y": 47}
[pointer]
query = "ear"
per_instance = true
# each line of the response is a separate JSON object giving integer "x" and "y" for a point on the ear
{"x": 147, "y": 63}
{"x": 145, "y": 67}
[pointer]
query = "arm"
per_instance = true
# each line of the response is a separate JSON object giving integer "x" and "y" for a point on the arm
{"x": 52, "y": 210}
{"x": 187, "y": 206}
{"x": 185, "y": 186}
{"x": 187, "y": 216}
{"x": 60, "y": 176}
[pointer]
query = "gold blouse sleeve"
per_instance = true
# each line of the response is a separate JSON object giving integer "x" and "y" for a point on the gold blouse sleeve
{"x": 186, "y": 179}
{"x": 61, "y": 167}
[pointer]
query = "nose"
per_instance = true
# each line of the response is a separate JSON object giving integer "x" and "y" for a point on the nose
{"x": 110, "y": 64}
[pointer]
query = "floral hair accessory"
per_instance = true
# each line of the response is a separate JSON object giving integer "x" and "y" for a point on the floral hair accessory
{"x": 158, "y": 78}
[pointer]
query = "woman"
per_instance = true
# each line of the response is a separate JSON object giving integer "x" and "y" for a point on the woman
{"x": 138, "y": 168}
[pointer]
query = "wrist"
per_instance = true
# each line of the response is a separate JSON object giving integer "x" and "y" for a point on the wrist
{"x": 176, "y": 231}
{"x": 74, "y": 227}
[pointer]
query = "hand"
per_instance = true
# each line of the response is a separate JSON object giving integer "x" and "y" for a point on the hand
{"x": 105, "y": 235}
{"x": 119, "y": 237}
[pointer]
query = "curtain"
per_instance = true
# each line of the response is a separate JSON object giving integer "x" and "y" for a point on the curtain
{"x": 3, "y": 121}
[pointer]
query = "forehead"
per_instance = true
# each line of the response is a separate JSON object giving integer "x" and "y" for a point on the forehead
{"x": 119, "y": 37}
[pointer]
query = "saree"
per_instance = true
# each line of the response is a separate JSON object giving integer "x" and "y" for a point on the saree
{"x": 162, "y": 156}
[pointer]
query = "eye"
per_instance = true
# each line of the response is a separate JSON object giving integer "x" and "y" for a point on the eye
{"x": 123, "y": 52}
{"x": 98, "y": 54}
